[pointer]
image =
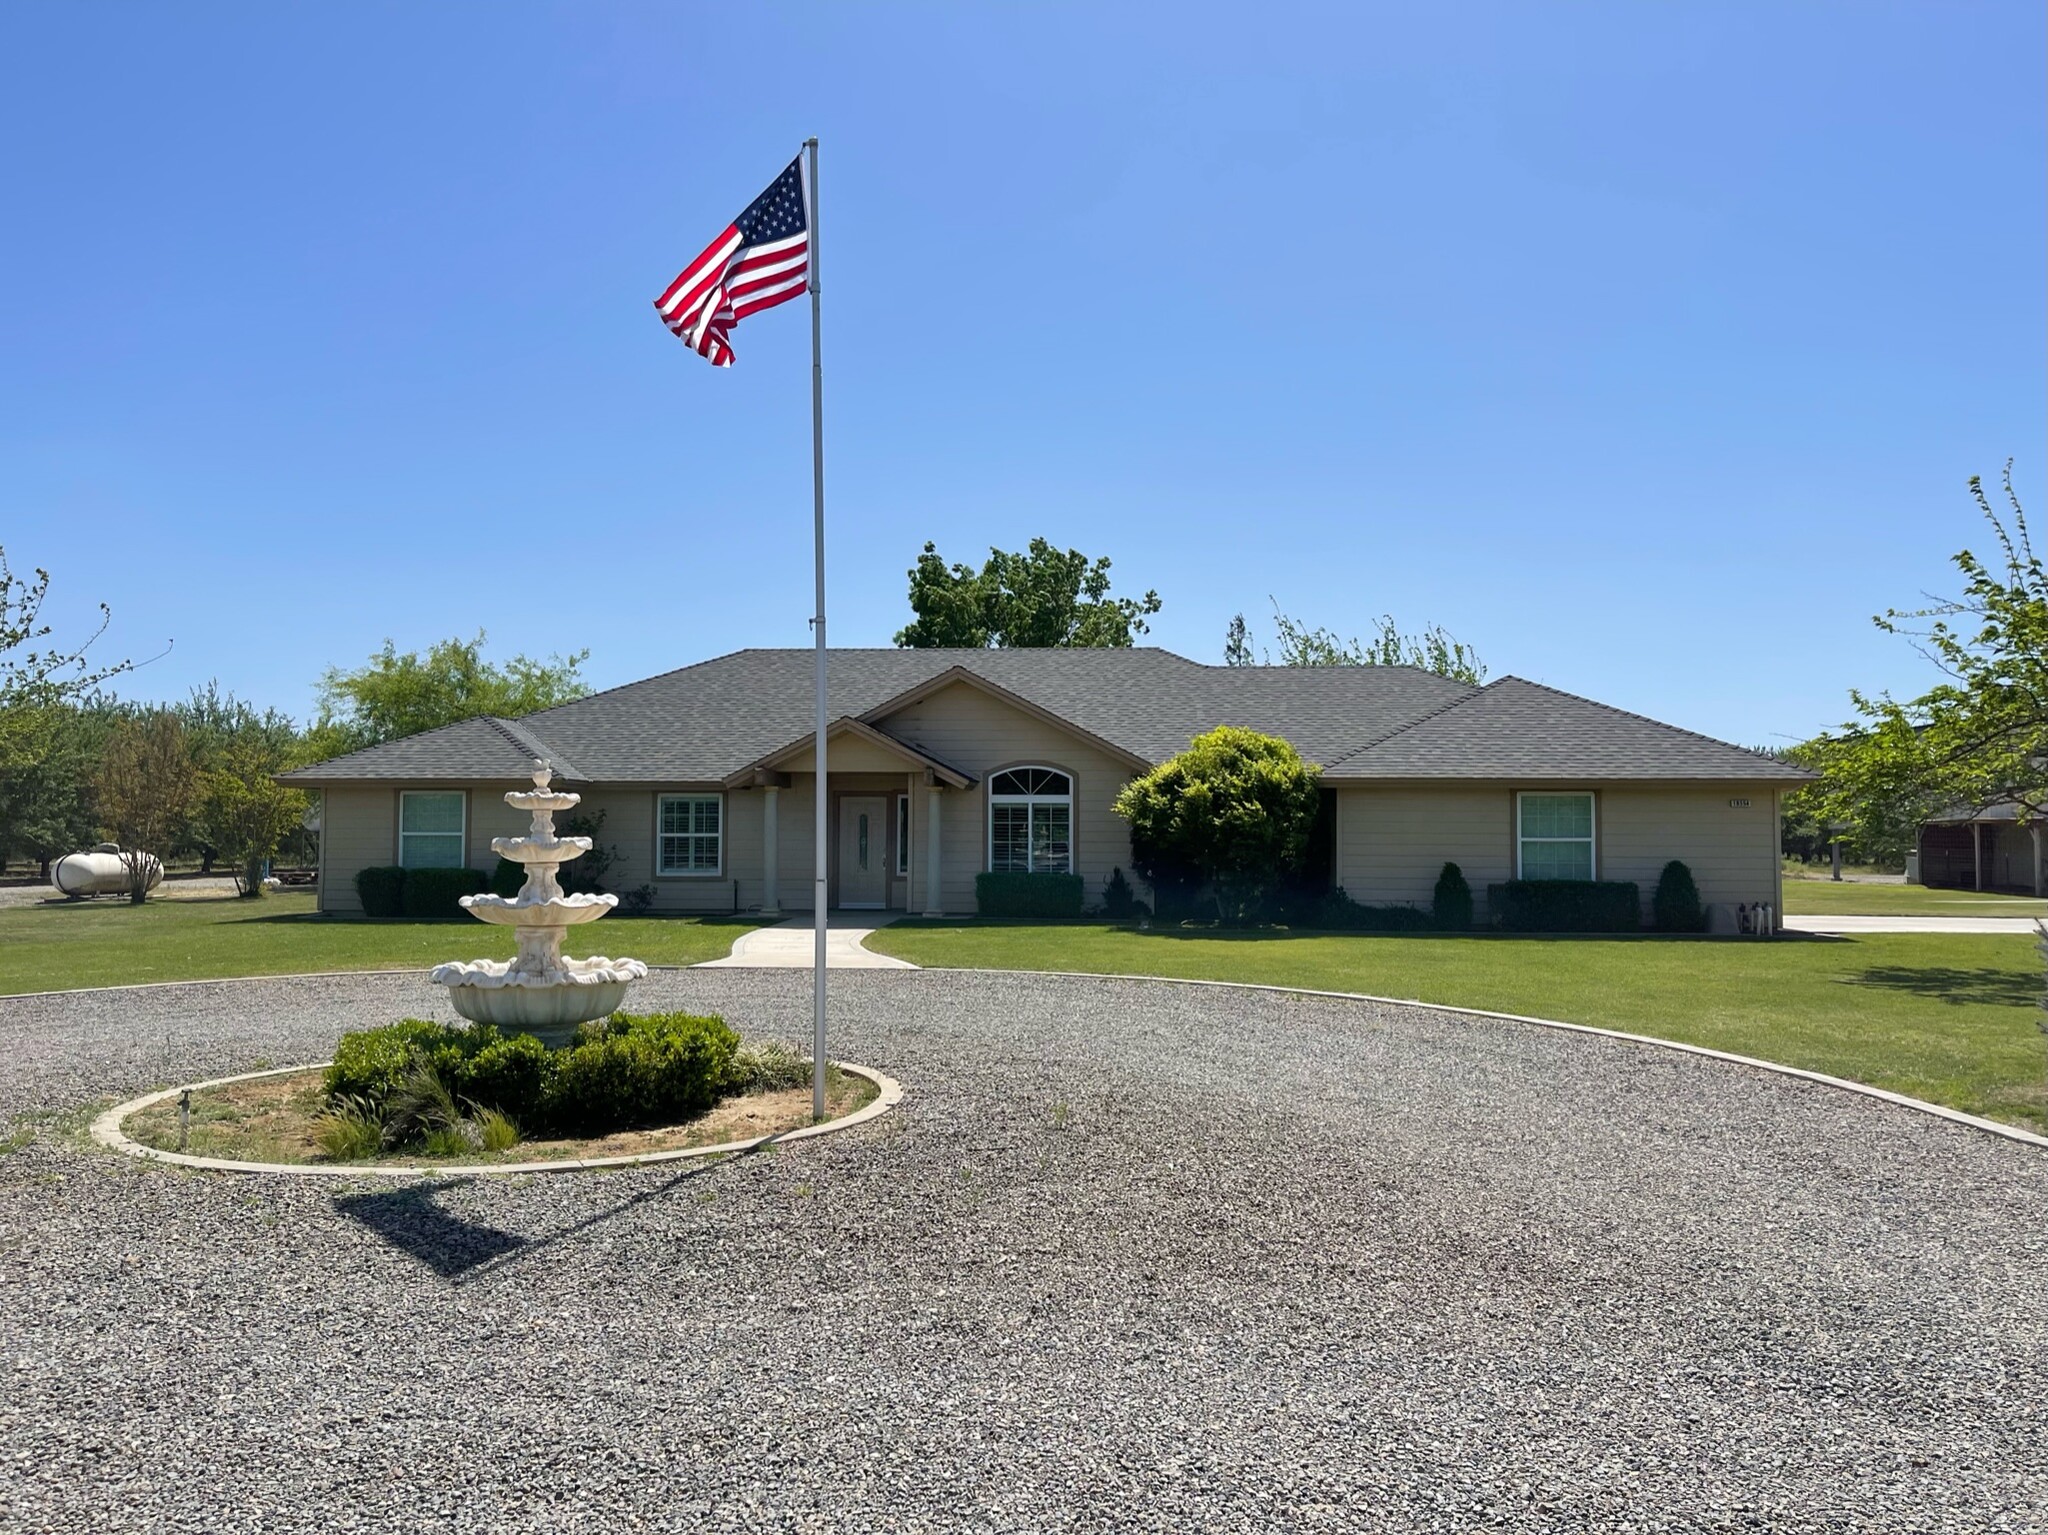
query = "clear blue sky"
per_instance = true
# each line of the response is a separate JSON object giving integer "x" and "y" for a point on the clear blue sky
{"x": 1647, "y": 347}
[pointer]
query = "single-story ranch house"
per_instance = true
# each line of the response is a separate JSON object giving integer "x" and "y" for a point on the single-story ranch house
{"x": 946, "y": 763}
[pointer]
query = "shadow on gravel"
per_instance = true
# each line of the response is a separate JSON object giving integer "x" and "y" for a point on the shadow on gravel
{"x": 1952, "y": 983}
{"x": 411, "y": 1220}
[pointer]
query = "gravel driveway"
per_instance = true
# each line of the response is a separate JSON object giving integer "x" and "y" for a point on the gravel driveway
{"x": 1131, "y": 1256}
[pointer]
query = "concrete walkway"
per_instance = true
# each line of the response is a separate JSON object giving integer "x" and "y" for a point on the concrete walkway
{"x": 789, "y": 945}
{"x": 2023, "y": 926}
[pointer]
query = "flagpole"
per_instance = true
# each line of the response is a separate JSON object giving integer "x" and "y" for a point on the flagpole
{"x": 818, "y": 915}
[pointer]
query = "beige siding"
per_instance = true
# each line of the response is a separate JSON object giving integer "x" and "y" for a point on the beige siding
{"x": 1392, "y": 842}
{"x": 980, "y": 734}
{"x": 1731, "y": 849}
{"x": 358, "y": 830}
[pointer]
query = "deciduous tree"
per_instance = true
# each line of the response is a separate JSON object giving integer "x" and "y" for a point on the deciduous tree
{"x": 1979, "y": 737}
{"x": 1043, "y": 598}
{"x": 146, "y": 789}
{"x": 402, "y": 694}
{"x": 246, "y": 813}
{"x": 37, "y": 677}
{"x": 1433, "y": 649}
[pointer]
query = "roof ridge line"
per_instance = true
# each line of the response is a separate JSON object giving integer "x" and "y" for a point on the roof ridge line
{"x": 1401, "y": 730}
{"x": 529, "y": 742}
{"x": 1644, "y": 719}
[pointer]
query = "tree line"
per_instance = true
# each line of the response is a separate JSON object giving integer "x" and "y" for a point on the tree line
{"x": 195, "y": 778}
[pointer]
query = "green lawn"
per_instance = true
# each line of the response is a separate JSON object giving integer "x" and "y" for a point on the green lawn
{"x": 1951, "y": 1019}
{"x": 1824, "y": 898}
{"x": 59, "y": 945}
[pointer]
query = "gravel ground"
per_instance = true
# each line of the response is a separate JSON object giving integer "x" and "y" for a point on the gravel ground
{"x": 1130, "y": 1257}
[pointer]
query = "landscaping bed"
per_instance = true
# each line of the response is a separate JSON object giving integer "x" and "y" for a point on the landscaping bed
{"x": 420, "y": 1091}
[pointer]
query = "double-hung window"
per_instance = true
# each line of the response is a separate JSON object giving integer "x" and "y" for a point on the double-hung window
{"x": 1555, "y": 836}
{"x": 430, "y": 829}
{"x": 903, "y": 835}
{"x": 1031, "y": 821}
{"x": 690, "y": 833}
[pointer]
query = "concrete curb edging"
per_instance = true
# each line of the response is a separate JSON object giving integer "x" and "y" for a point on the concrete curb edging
{"x": 107, "y": 1132}
{"x": 1898, "y": 1100}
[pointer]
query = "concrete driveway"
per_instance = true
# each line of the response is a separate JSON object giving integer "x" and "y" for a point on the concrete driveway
{"x": 1847, "y": 925}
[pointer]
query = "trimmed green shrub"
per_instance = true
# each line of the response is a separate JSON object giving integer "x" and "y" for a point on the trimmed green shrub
{"x": 1451, "y": 904}
{"x": 1566, "y": 905}
{"x": 372, "y": 1064}
{"x": 433, "y": 893}
{"x": 1337, "y": 911}
{"x": 507, "y": 878}
{"x": 382, "y": 891}
{"x": 640, "y": 1069}
{"x": 1676, "y": 908}
{"x": 1233, "y": 813}
{"x": 1029, "y": 895}
{"x": 1119, "y": 902}
{"x": 513, "y": 1074}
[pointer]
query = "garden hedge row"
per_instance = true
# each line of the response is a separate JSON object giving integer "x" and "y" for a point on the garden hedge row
{"x": 1029, "y": 895}
{"x": 624, "y": 1072}
{"x": 1566, "y": 905}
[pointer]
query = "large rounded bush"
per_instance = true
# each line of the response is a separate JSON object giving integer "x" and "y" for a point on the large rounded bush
{"x": 1233, "y": 812}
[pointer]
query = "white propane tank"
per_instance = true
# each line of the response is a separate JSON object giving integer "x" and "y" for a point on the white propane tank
{"x": 100, "y": 872}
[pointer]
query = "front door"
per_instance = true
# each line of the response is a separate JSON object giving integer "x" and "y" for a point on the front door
{"x": 863, "y": 850}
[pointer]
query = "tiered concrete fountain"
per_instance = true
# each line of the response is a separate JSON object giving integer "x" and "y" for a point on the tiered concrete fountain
{"x": 539, "y": 992}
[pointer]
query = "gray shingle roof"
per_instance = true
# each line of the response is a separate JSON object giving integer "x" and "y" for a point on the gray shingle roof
{"x": 1515, "y": 729}
{"x": 704, "y": 722}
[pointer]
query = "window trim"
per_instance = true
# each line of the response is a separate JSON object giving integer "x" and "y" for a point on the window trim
{"x": 992, "y": 799}
{"x": 1591, "y": 839}
{"x": 689, "y": 794}
{"x": 400, "y": 833}
{"x": 903, "y": 834}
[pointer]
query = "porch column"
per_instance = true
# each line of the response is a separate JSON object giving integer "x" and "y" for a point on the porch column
{"x": 771, "y": 815}
{"x": 2040, "y": 861}
{"x": 933, "y": 802}
{"x": 1977, "y": 854}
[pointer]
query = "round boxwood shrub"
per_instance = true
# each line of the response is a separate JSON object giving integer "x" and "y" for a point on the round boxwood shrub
{"x": 381, "y": 889}
{"x": 1676, "y": 908}
{"x": 632, "y": 1070}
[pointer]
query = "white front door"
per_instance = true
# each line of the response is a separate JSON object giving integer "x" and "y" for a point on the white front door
{"x": 863, "y": 850}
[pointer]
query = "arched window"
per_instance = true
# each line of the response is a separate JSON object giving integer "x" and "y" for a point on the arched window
{"x": 1031, "y": 821}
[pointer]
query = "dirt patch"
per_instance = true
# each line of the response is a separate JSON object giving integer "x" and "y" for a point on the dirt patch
{"x": 275, "y": 1119}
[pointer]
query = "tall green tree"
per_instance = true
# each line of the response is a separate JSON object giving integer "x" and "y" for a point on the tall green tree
{"x": 1433, "y": 649}
{"x": 400, "y": 695}
{"x": 146, "y": 789}
{"x": 1042, "y": 598}
{"x": 246, "y": 813}
{"x": 47, "y": 806}
{"x": 1980, "y": 736}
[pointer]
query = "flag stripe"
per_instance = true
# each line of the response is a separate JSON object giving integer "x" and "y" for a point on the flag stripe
{"x": 760, "y": 260}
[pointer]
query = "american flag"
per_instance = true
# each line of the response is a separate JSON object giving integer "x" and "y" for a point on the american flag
{"x": 761, "y": 259}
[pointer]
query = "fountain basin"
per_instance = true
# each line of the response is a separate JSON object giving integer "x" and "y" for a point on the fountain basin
{"x": 544, "y": 850}
{"x": 547, "y": 1004}
{"x": 550, "y": 911}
